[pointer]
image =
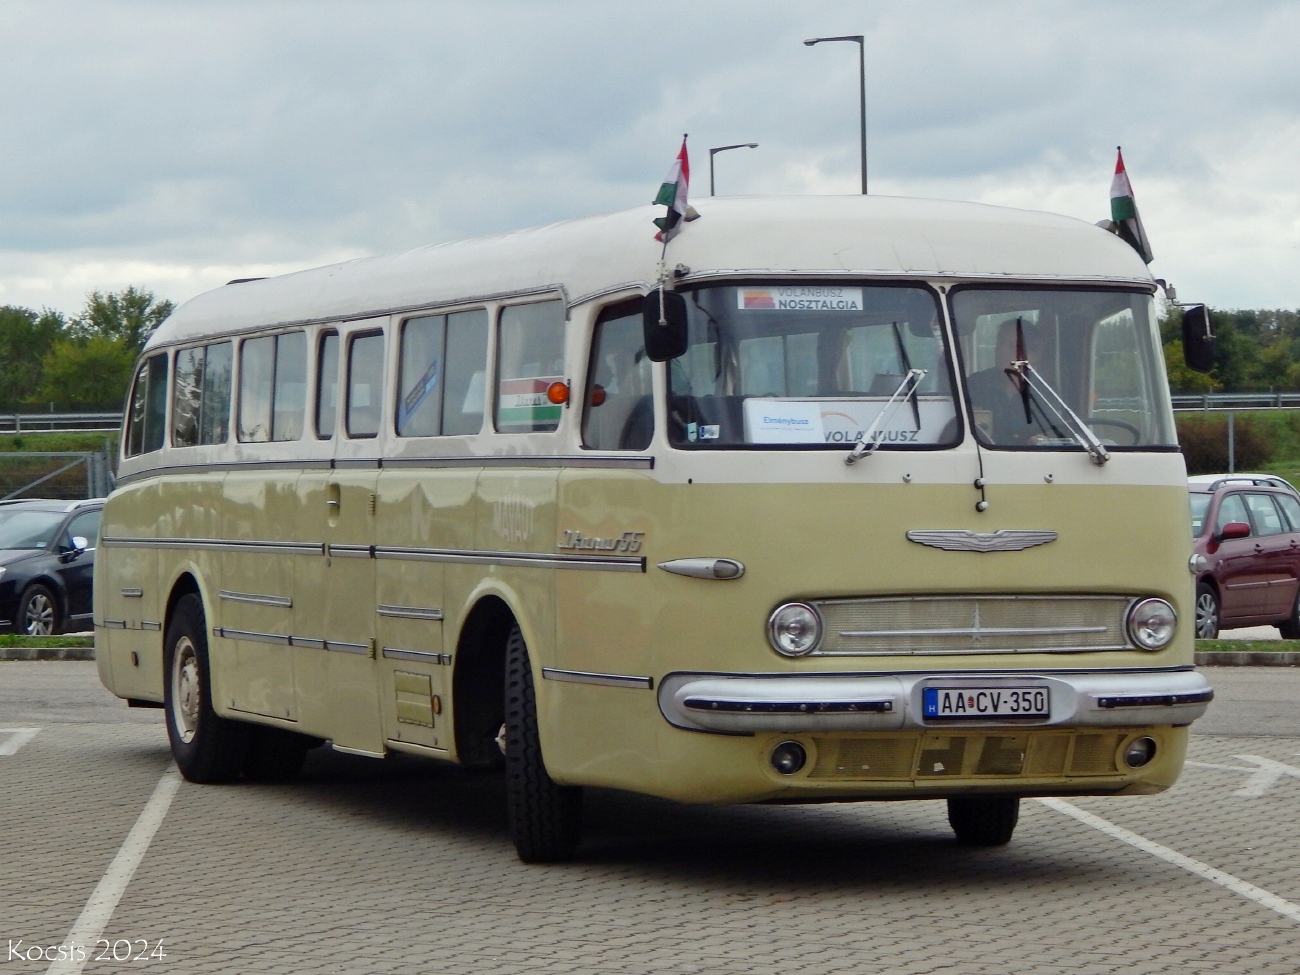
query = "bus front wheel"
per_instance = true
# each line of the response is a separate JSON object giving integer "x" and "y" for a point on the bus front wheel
{"x": 206, "y": 746}
{"x": 545, "y": 818}
{"x": 983, "y": 820}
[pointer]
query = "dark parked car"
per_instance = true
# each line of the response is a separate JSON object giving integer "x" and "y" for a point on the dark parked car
{"x": 1246, "y": 533}
{"x": 47, "y": 564}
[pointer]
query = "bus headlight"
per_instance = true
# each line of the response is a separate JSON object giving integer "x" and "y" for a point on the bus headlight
{"x": 794, "y": 629}
{"x": 1151, "y": 623}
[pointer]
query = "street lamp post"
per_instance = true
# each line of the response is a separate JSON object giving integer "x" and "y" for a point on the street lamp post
{"x": 862, "y": 90}
{"x": 713, "y": 152}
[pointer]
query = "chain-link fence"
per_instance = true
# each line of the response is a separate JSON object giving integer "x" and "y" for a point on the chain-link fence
{"x": 64, "y": 475}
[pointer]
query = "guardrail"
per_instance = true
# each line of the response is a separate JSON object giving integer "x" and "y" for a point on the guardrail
{"x": 1236, "y": 401}
{"x": 60, "y": 422}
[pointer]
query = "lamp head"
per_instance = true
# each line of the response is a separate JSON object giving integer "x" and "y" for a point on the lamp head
{"x": 811, "y": 41}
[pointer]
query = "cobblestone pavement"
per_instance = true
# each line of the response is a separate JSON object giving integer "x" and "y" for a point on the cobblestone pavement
{"x": 405, "y": 867}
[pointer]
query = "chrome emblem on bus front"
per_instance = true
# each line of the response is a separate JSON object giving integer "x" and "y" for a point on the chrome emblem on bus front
{"x": 962, "y": 540}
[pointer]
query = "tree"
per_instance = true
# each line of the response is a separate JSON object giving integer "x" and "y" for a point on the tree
{"x": 130, "y": 315}
{"x": 89, "y": 373}
{"x": 25, "y": 338}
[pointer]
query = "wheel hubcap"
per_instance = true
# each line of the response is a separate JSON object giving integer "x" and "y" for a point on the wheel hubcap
{"x": 39, "y": 617}
{"x": 185, "y": 689}
{"x": 1207, "y": 616}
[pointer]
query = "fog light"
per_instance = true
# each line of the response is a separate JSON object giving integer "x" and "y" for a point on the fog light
{"x": 1137, "y": 754}
{"x": 1151, "y": 624}
{"x": 789, "y": 757}
{"x": 794, "y": 629}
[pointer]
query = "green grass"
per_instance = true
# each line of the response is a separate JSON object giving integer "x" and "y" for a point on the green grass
{"x": 75, "y": 442}
{"x": 1251, "y": 646}
{"x": 20, "y": 640}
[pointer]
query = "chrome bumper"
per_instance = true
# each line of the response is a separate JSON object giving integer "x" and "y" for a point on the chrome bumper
{"x": 745, "y": 703}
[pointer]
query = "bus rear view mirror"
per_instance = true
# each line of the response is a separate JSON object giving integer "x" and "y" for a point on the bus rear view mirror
{"x": 1198, "y": 338}
{"x": 664, "y": 325}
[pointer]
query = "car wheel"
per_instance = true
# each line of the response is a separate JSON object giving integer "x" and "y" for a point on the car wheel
{"x": 1207, "y": 612}
{"x": 206, "y": 746}
{"x": 983, "y": 820}
{"x": 545, "y": 818}
{"x": 38, "y": 612}
{"x": 1289, "y": 629}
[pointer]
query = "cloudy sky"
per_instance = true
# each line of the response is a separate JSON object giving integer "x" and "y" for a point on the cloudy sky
{"x": 176, "y": 144}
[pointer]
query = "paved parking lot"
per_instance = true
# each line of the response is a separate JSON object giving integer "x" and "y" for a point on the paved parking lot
{"x": 403, "y": 866}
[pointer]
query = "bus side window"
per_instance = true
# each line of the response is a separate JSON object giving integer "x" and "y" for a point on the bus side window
{"x": 465, "y": 386}
{"x": 201, "y": 395}
{"x": 290, "y": 398}
{"x": 530, "y": 357}
{"x": 619, "y": 413}
{"x": 327, "y": 385}
{"x": 148, "y": 411}
{"x": 420, "y": 376}
{"x": 272, "y": 387}
{"x": 365, "y": 384}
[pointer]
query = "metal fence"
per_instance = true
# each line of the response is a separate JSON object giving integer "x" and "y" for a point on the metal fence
{"x": 107, "y": 422}
{"x": 1184, "y": 403}
{"x": 54, "y": 474}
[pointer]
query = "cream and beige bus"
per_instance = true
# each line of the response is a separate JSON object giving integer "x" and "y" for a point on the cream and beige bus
{"x": 850, "y": 498}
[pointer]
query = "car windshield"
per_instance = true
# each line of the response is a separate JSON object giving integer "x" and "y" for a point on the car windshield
{"x": 811, "y": 365}
{"x": 28, "y": 529}
{"x": 1098, "y": 350}
{"x": 1200, "y": 508}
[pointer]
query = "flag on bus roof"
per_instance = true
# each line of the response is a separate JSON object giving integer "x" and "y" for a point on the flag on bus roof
{"x": 1124, "y": 211}
{"x": 672, "y": 194}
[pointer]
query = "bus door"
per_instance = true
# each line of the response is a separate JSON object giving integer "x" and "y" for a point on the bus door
{"x": 342, "y": 692}
{"x": 260, "y": 562}
{"x": 426, "y": 510}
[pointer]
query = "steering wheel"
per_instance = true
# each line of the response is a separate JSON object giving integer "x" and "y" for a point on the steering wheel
{"x": 1100, "y": 421}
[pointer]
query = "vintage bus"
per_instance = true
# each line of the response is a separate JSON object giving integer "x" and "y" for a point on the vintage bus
{"x": 849, "y": 498}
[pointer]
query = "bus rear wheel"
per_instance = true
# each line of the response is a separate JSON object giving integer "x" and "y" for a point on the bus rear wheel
{"x": 983, "y": 820}
{"x": 207, "y": 747}
{"x": 545, "y": 818}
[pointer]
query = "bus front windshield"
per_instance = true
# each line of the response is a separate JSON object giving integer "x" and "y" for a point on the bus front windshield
{"x": 1098, "y": 351}
{"x": 812, "y": 365}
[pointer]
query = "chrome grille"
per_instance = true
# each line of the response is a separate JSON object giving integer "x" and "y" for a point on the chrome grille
{"x": 923, "y": 625}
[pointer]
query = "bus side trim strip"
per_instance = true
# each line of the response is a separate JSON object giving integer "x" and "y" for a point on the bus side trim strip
{"x": 605, "y": 680}
{"x": 423, "y": 656}
{"x": 281, "y": 602}
{"x": 253, "y": 636}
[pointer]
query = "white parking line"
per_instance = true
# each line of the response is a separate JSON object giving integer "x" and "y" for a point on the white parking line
{"x": 95, "y": 915}
{"x": 1204, "y": 870}
{"x": 17, "y": 738}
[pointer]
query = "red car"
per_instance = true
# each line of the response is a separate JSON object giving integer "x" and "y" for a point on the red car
{"x": 1246, "y": 547}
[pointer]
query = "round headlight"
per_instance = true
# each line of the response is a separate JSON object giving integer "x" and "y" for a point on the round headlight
{"x": 794, "y": 629}
{"x": 1151, "y": 623}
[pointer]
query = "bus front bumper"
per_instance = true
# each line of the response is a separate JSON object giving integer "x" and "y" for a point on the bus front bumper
{"x": 755, "y": 703}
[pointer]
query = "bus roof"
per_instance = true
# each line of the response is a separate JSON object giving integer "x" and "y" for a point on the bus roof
{"x": 875, "y": 236}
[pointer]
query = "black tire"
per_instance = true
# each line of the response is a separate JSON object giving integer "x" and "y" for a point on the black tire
{"x": 1289, "y": 629}
{"x": 206, "y": 746}
{"x": 276, "y": 754}
{"x": 545, "y": 818}
{"x": 983, "y": 820}
{"x": 1207, "y": 612}
{"x": 38, "y": 612}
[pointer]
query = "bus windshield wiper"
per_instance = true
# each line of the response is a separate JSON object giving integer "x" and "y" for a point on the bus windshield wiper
{"x": 1048, "y": 397}
{"x": 870, "y": 439}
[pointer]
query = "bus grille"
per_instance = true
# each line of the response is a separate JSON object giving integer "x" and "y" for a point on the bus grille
{"x": 931, "y": 756}
{"x": 956, "y": 625}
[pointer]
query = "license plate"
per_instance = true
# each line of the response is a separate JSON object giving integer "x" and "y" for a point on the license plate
{"x": 941, "y": 703}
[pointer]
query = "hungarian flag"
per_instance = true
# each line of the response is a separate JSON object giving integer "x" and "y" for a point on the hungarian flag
{"x": 1124, "y": 211}
{"x": 672, "y": 194}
